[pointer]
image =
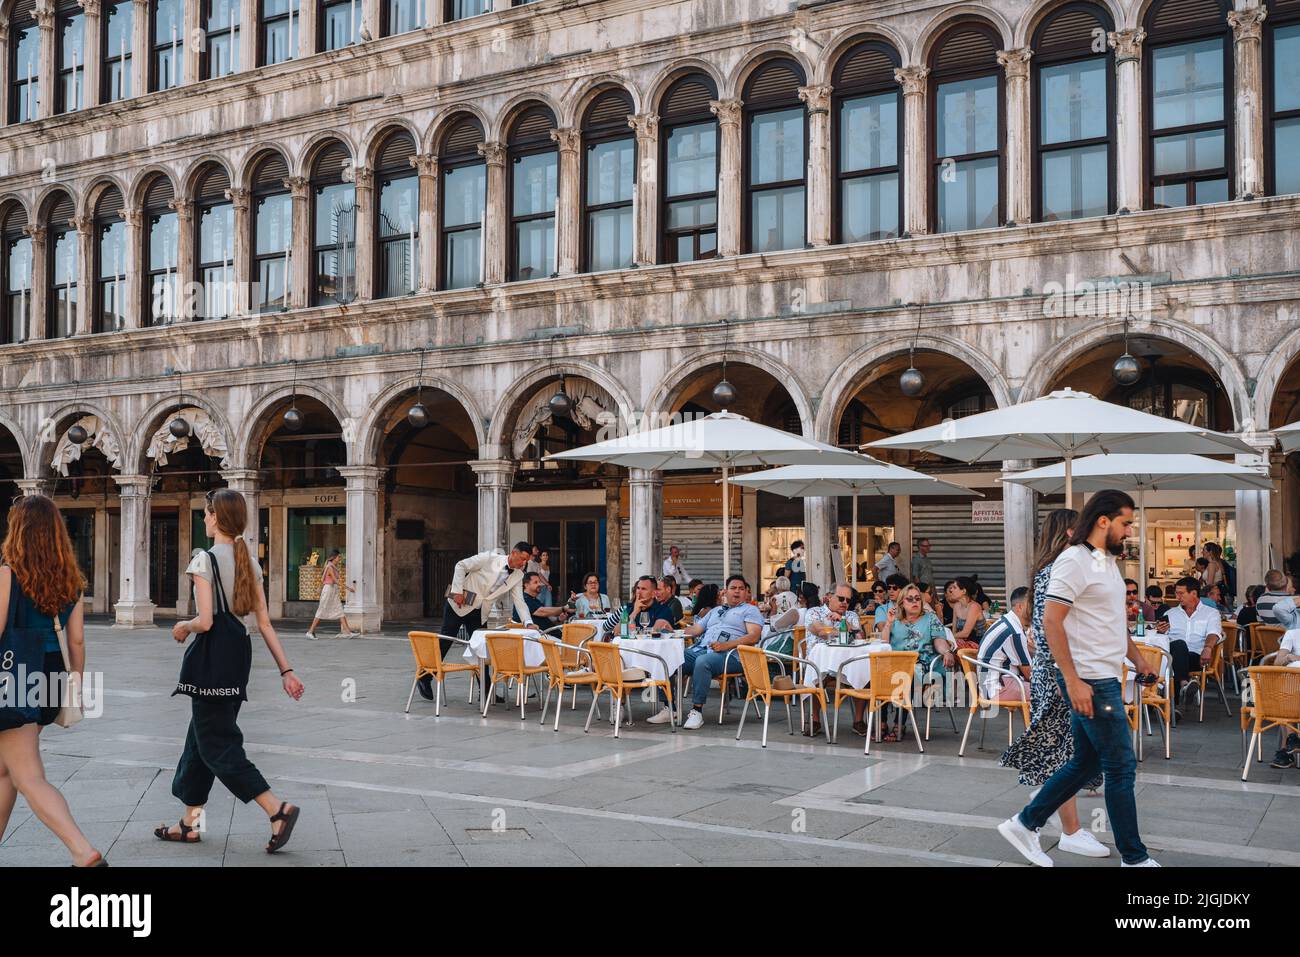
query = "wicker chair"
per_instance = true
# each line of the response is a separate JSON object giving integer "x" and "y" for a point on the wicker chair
{"x": 1234, "y": 655}
{"x": 1265, "y": 640}
{"x": 971, "y": 666}
{"x": 1202, "y": 674}
{"x": 606, "y": 657}
{"x": 1153, "y": 696}
{"x": 891, "y": 673}
{"x": 427, "y": 648}
{"x": 561, "y": 675}
{"x": 1276, "y": 692}
{"x": 506, "y": 656}
{"x": 758, "y": 677}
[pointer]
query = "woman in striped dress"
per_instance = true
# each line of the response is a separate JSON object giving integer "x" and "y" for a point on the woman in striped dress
{"x": 1043, "y": 748}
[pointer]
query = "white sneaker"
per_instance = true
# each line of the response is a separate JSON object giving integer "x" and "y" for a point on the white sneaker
{"x": 664, "y": 716}
{"x": 1082, "y": 842}
{"x": 311, "y": 636}
{"x": 1149, "y": 862}
{"x": 693, "y": 721}
{"x": 1024, "y": 840}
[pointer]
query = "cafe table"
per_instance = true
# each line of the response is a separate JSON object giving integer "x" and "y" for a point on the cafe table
{"x": 669, "y": 651}
{"x": 830, "y": 657}
{"x": 476, "y": 652}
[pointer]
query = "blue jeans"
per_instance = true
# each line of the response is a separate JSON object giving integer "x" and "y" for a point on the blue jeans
{"x": 1101, "y": 743}
{"x": 703, "y": 665}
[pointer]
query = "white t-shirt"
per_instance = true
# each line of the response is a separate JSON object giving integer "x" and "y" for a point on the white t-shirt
{"x": 675, "y": 570}
{"x": 888, "y": 565}
{"x": 1090, "y": 585}
{"x": 1193, "y": 629}
{"x": 201, "y": 567}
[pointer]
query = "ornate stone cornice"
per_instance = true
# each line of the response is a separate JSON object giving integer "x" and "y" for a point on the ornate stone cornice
{"x": 1127, "y": 44}
{"x": 912, "y": 79}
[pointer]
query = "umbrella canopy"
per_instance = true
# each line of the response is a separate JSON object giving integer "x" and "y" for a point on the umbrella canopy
{"x": 868, "y": 477}
{"x": 1065, "y": 423}
{"x": 720, "y": 440}
{"x": 1289, "y": 436}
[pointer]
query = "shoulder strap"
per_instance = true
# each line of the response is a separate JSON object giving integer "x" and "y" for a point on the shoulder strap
{"x": 218, "y": 591}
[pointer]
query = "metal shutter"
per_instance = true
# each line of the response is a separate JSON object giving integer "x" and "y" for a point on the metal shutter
{"x": 700, "y": 540}
{"x": 959, "y": 547}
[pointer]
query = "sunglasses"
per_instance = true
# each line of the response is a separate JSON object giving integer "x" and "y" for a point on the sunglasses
{"x": 912, "y": 598}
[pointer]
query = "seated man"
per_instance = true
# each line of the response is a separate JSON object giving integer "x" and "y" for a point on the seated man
{"x": 666, "y": 596}
{"x": 1191, "y": 627}
{"x": 733, "y": 623}
{"x": 1004, "y": 646}
{"x": 643, "y": 600}
{"x": 544, "y": 616}
{"x": 1154, "y": 608}
{"x": 823, "y": 624}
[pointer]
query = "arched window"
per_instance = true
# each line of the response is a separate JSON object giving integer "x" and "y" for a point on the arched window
{"x": 109, "y": 311}
{"x": 867, "y": 108}
{"x": 340, "y": 24}
{"x": 460, "y": 9}
{"x": 166, "y": 44}
{"x": 161, "y": 254}
{"x": 401, "y": 16}
{"x": 271, "y": 206}
{"x": 116, "y": 37}
{"x": 688, "y": 213}
{"x": 534, "y": 169}
{"x": 1175, "y": 393}
{"x": 334, "y": 227}
{"x": 24, "y": 63}
{"x": 1282, "y": 72}
{"x": 214, "y": 242}
{"x": 61, "y": 256}
{"x": 1188, "y": 64}
{"x": 70, "y": 58}
{"x": 220, "y": 53}
{"x": 966, "y": 123}
{"x": 397, "y": 227}
{"x": 277, "y": 39}
{"x": 15, "y": 273}
{"x": 776, "y": 158}
{"x": 609, "y": 171}
{"x": 463, "y": 196}
{"x": 1074, "y": 121}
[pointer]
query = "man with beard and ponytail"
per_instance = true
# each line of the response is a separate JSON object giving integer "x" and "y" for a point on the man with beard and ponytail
{"x": 1087, "y": 631}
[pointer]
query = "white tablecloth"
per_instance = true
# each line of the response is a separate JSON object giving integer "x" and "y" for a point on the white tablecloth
{"x": 829, "y": 658}
{"x": 477, "y": 652}
{"x": 671, "y": 650}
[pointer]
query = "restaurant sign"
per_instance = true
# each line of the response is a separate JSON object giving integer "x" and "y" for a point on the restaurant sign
{"x": 689, "y": 500}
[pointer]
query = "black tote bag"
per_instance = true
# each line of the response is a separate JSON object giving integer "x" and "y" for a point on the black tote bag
{"x": 22, "y": 655}
{"x": 216, "y": 666}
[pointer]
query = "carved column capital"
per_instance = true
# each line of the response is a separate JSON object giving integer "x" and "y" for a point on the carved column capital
{"x": 494, "y": 154}
{"x": 645, "y": 124}
{"x": 238, "y": 198}
{"x": 45, "y": 17}
{"x": 91, "y": 7}
{"x": 818, "y": 98}
{"x": 1015, "y": 62}
{"x": 569, "y": 140}
{"x": 727, "y": 111}
{"x": 1127, "y": 44}
{"x": 299, "y": 186}
{"x": 363, "y": 177}
{"x": 1247, "y": 24}
{"x": 912, "y": 79}
{"x": 184, "y": 207}
{"x": 425, "y": 164}
{"x": 37, "y": 233}
{"x": 82, "y": 224}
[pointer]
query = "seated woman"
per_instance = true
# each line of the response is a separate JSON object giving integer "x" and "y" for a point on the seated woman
{"x": 592, "y": 603}
{"x": 967, "y": 613}
{"x": 910, "y": 626}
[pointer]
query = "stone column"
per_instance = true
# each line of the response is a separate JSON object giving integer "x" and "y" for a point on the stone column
{"x": 35, "y": 486}
{"x": 916, "y": 151}
{"x": 4, "y": 73}
{"x": 365, "y": 536}
{"x": 300, "y": 241}
{"x": 501, "y": 6}
{"x": 497, "y": 213}
{"x": 133, "y": 608}
{"x": 140, "y": 48}
{"x": 1254, "y": 518}
{"x": 134, "y": 221}
{"x": 248, "y": 27}
{"x": 184, "y": 548}
{"x": 568, "y": 215}
{"x": 427, "y": 166}
{"x": 85, "y": 228}
{"x": 184, "y": 206}
{"x": 1247, "y": 25}
{"x": 645, "y": 522}
{"x": 818, "y": 100}
{"x": 191, "y": 40}
{"x": 1127, "y": 45}
{"x": 90, "y": 83}
{"x": 307, "y": 10}
{"x": 103, "y": 562}
{"x": 1019, "y": 507}
{"x": 45, "y": 20}
{"x": 645, "y": 234}
{"x": 276, "y": 565}
{"x": 247, "y": 482}
{"x": 364, "y": 184}
{"x": 495, "y": 479}
{"x": 36, "y": 304}
{"x": 730, "y": 165}
{"x": 820, "y": 519}
{"x": 749, "y": 563}
{"x": 241, "y": 266}
{"x": 613, "y": 542}
{"x": 1019, "y": 158}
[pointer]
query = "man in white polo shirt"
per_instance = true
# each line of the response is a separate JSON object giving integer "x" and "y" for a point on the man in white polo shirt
{"x": 1087, "y": 630}
{"x": 1192, "y": 628}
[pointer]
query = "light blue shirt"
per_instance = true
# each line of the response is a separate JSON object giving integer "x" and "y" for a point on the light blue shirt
{"x": 727, "y": 624}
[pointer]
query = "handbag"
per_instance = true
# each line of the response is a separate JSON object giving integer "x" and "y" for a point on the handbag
{"x": 218, "y": 663}
{"x": 70, "y": 710}
{"x": 22, "y": 653}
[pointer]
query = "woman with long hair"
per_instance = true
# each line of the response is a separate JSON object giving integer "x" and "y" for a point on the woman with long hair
{"x": 967, "y": 612}
{"x": 1048, "y": 743}
{"x": 41, "y": 583}
{"x": 227, "y": 587}
{"x": 592, "y": 603}
{"x": 332, "y": 591}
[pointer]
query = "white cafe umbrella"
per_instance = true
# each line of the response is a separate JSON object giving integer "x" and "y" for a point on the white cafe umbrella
{"x": 868, "y": 477}
{"x": 1142, "y": 473}
{"x": 720, "y": 440}
{"x": 1066, "y": 424}
{"x": 1288, "y": 436}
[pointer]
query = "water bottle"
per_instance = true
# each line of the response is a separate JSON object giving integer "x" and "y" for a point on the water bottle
{"x": 844, "y": 631}
{"x": 1141, "y": 630}
{"x": 622, "y": 624}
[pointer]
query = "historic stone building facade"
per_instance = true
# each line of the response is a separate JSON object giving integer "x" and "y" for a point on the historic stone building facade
{"x": 278, "y": 226}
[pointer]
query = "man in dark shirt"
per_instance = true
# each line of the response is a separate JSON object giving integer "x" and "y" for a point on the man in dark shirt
{"x": 643, "y": 600}
{"x": 544, "y": 616}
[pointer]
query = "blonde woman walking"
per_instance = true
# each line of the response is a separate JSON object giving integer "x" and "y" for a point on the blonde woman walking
{"x": 332, "y": 591}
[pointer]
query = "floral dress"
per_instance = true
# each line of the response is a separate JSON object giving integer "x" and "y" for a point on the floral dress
{"x": 1043, "y": 749}
{"x": 918, "y": 636}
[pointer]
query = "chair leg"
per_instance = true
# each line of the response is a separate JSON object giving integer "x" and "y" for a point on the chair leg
{"x": 1245, "y": 768}
{"x": 547, "y": 703}
{"x": 826, "y": 725}
{"x": 595, "y": 696}
{"x": 489, "y": 694}
{"x": 767, "y": 713}
{"x": 559, "y": 703}
{"x": 1224, "y": 698}
{"x": 522, "y": 691}
{"x": 871, "y": 720}
{"x": 836, "y": 736}
{"x": 618, "y": 713}
{"x": 970, "y": 716}
{"x": 722, "y": 705}
{"x": 984, "y": 726}
{"x": 437, "y": 697}
{"x": 928, "y": 708}
{"x": 916, "y": 732}
{"x": 574, "y": 704}
{"x": 411, "y": 696}
{"x": 789, "y": 715}
{"x": 1201, "y": 696}
{"x": 743, "y": 715}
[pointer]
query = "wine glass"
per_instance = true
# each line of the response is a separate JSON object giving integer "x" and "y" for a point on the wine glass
{"x": 644, "y": 622}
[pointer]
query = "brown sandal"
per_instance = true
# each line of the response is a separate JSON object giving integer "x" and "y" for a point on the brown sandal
{"x": 164, "y": 833}
{"x": 280, "y": 838}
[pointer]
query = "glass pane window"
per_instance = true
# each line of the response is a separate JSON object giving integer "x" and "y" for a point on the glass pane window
{"x": 221, "y": 38}
{"x": 460, "y": 9}
{"x": 1075, "y": 183}
{"x": 216, "y": 259}
{"x": 25, "y": 98}
{"x": 611, "y": 169}
{"x": 18, "y": 287}
{"x": 692, "y": 157}
{"x": 1286, "y": 109}
{"x": 168, "y": 43}
{"x": 871, "y": 206}
{"x": 776, "y": 146}
{"x": 968, "y": 195}
{"x": 536, "y": 182}
{"x": 112, "y": 277}
{"x": 777, "y": 219}
{"x": 1187, "y": 84}
{"x": 280, "y": 25}
{"x": 464, "y": 191}
{"x": 340, "y": 24}
{"x": 313, "y": 534}
{"x": 63, "y": 290}
{"x": 1072, "y": 101}
{"x": 399, "y": 242}
{"x": 869, "y": 132}
{"x": 404, "y": 16}
{"x": 1286, "y": 156}
{"x": 335, "y": 243}
{"x": 967, "y": 117}
{"x": 71, "y": 52}
{"x": 119, "y": 29}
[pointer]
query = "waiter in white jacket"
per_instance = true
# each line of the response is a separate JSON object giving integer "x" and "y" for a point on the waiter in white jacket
{"x": 477, "y": 582}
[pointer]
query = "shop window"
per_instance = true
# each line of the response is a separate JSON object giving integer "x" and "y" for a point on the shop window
{"x": 312, "y": 533}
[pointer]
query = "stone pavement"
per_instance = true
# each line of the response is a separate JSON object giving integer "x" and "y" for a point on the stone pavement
{"x": 378, "y": 787}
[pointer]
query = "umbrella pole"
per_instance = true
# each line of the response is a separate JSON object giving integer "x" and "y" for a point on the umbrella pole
{"x": 1142, "y": 545}
{"x": 853, "y": 548}
{"x": 726, "y": 527}
{"x": 1069, "y": 480}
